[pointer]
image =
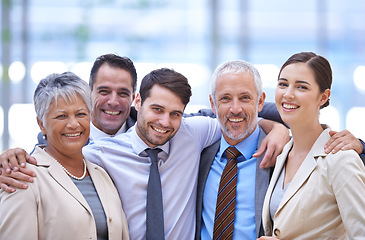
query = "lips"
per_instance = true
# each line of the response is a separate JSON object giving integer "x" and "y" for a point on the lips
{"x": 159, "y": 130}
{"x": 72, "y": 134}
{"x": 114, "y": 113}
{"x": 236, "y": 120}
{"x": 290, "y": 106}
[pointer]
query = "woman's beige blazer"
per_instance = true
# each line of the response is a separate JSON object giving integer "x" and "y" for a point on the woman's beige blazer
{"x": 325, "y": 199}
{"x": 53, "y": 208}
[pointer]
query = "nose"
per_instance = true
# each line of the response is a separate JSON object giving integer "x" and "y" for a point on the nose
{"x": 73, "y": 123}
{"x": 289, "y": 93}
{"x": 113, "y": 99}
{"x": 236, "y": 107}
{"x": 165, "y": 120}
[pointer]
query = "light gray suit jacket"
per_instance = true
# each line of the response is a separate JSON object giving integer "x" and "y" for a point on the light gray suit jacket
{"x": 52, "y": 207}
{"x": 262, "y": 183}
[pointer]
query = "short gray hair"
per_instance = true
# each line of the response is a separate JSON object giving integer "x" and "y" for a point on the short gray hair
{"x": 66, "y": 85}
{"x": 236, "y": 66}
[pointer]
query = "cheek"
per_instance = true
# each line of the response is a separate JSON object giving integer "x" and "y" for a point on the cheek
{"x": 278, "y": 94}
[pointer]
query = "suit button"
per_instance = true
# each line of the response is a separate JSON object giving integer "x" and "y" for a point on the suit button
{"x": 277, "y": 232}
{"x": 110, "y": 219}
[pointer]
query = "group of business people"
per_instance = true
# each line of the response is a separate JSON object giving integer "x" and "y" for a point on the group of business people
{"x": 236, "y": 98}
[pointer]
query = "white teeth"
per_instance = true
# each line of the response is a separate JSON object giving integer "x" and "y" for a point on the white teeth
{"x": 73, "y": 135}
{"x": 111, "y": 112}
{"x": 159, "y": 130}
{"x": 285, "y": 105}
{"x": 236, "y": 119}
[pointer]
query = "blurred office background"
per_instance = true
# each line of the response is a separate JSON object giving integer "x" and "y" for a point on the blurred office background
{"x": 39, "y": 37}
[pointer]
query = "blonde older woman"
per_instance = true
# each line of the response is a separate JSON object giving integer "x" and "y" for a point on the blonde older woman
{"x": 71, "y": 198}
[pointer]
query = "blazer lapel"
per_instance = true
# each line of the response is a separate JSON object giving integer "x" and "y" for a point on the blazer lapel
{"x": 206, "y": 159}
{"x": 262, "y": 182}
{"x": 57, "y": 173}
{"x": 66, "y": 183}
{"x": 305, "y": 170}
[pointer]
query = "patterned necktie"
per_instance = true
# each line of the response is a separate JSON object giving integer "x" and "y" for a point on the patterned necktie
{"x": 226, "y": 198}
{"x": 154, "y": 208}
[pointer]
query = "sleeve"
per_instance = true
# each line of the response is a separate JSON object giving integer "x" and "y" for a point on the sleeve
{"x": 362, "y": 154}
{"x": 270, "y": 112}
{"x": 18, "y": 215}
{"x": 347, "y": 178}
{"x": 204, "y": 129}
{"x": 93, "y": 154}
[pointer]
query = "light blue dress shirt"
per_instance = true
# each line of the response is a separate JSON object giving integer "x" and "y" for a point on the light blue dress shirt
{"x": 244, "y": 221}
{"x": 124, "y": 158}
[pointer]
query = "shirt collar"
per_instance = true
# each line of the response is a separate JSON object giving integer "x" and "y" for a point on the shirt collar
{"x": 139, "y": 145}
{"x": 247, "y": 147}
{"x": 96, "y": 133}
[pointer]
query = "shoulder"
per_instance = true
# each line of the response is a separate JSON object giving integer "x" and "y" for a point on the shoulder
{"x": 343, "y": 163}
{"x": 198, "y": 123}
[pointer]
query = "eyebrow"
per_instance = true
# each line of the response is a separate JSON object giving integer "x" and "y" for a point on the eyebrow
{"x": 297, "y": 81}
{"x": 157, "y": 105}
{"x": 105, "y": 87}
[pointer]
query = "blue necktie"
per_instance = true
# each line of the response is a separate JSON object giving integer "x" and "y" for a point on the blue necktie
{"x": 154, "y": 208}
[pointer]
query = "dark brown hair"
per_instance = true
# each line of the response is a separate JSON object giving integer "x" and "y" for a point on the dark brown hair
{"x": 114, "y": 61}
{"x": 167, "y": 78}
{"x": 320, "y": 66}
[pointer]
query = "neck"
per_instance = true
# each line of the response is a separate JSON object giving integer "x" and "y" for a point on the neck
{"x": 305, "y": 136}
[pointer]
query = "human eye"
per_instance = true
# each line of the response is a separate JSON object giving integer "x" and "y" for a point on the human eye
{"x": 82, "y": 114}
{"x": 282, "y": 84}
{"x": 245, "y": 97}
{"x": 302, "y": 87}
{"x": 104, "y": 92}
{"x": 224, "y": 99}
{"x": 60, "y": 116}
{"x": 157, "y": 109}
{"x": 176, "y": 114}
{"x": 124, "y": 94}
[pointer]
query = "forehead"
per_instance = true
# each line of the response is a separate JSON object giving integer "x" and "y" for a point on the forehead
{"x": 164, "y": 97}
{"x": 235, "y": 82}
{"x": 61, "y": 103}
{"x": 113, "y": 77}
{"x": 297, "y": 71}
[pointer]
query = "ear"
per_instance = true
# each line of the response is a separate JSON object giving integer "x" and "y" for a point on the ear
{"x": 324, "y": 97}
{"x": 261, "y": 101}
{"x": 137, "y": 102}
{"x": 41, "y": 126}
{"x": 212, "y": 104}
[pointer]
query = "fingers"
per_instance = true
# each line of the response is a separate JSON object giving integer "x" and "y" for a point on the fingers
{"x": 13, "y": 180}
{"x": 261, "y": 149}
{"x": 6, "y": 188}
{"x": 343, "y": 140}
{"x": 14, "y": 159}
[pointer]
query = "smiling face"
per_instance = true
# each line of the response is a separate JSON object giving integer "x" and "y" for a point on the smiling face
{"x": 297, "y": 95}
{"x": 159, "y": 117}
{"x": 112, "y": 96}
{"x": 236, "y": 105}
{"x": 67, "y": 127}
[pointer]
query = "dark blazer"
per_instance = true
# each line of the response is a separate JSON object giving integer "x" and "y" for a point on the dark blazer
{"x": 262, "y": 183}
